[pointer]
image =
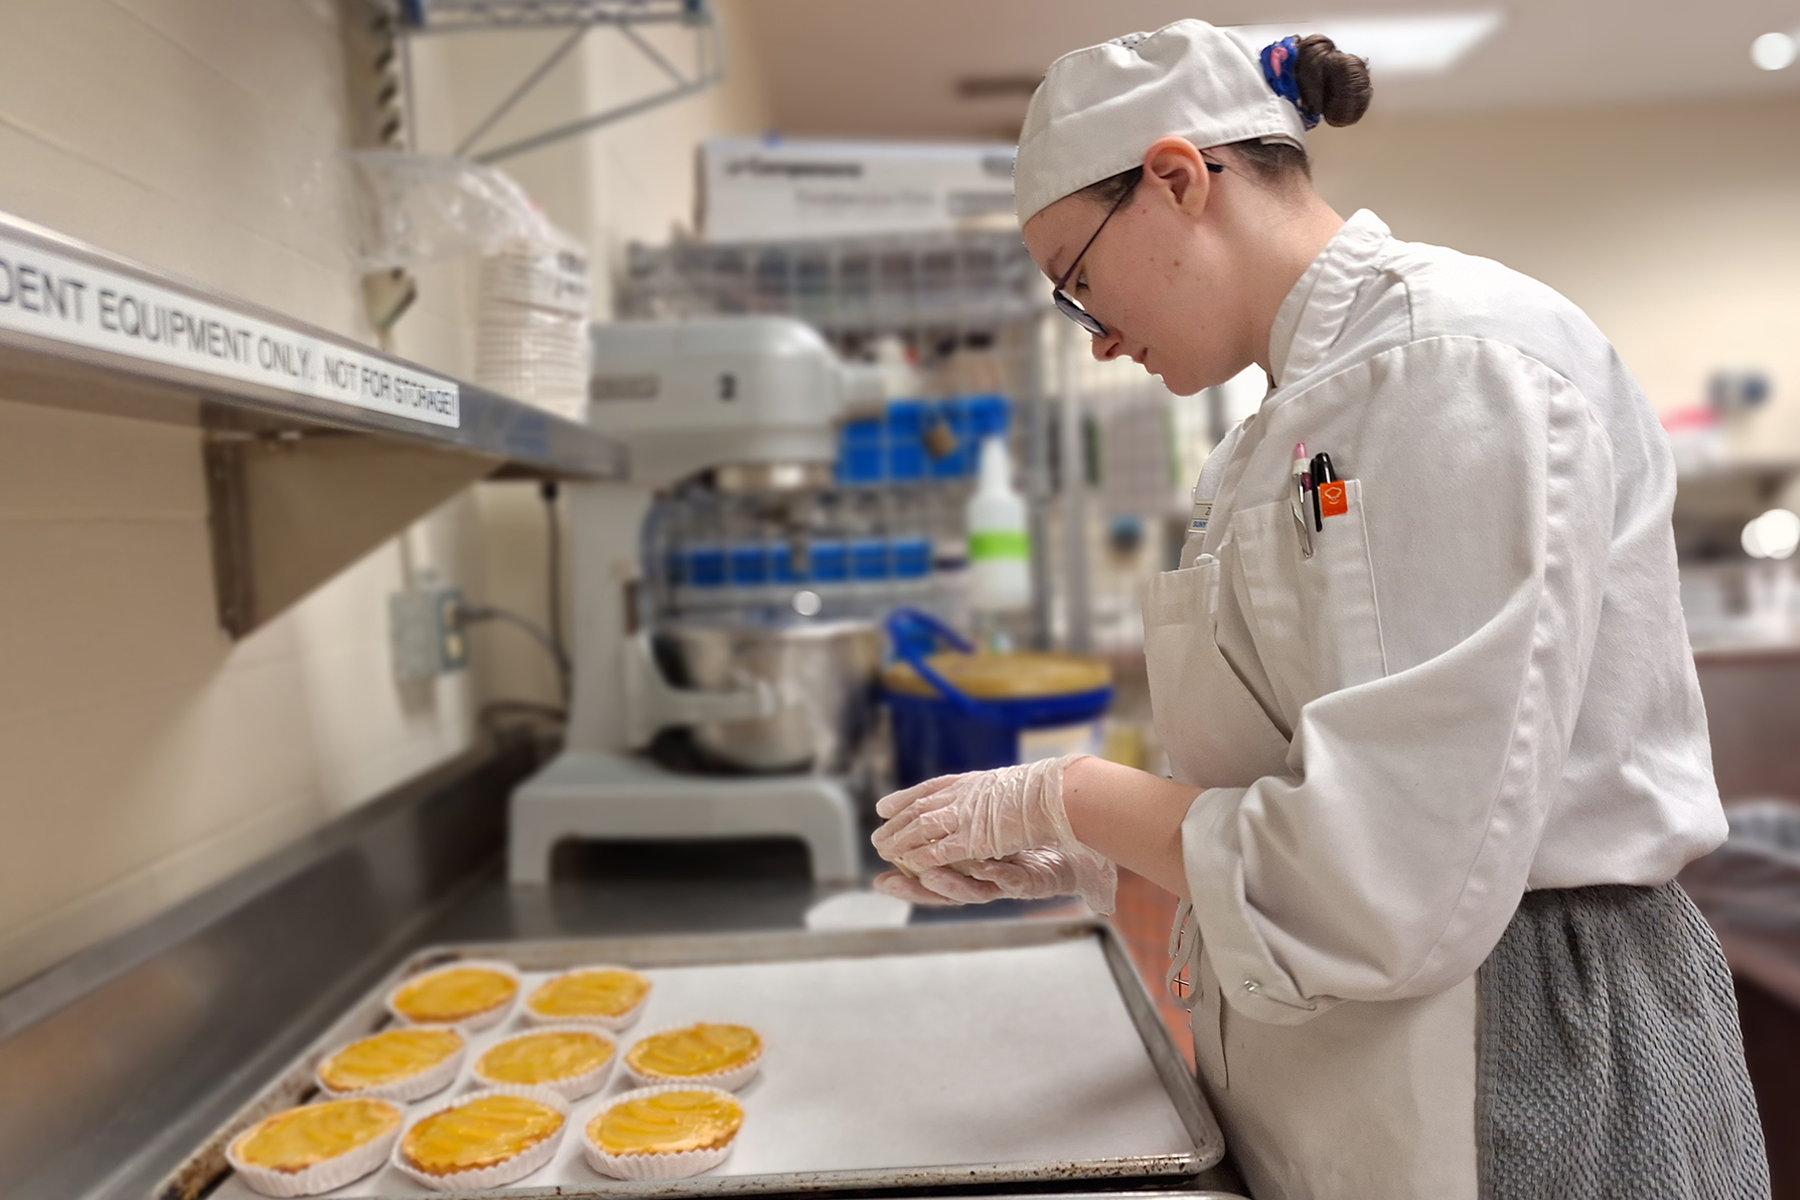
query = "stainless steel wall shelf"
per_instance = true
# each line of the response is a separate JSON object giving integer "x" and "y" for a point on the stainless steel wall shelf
{"x": 316, "y": 447}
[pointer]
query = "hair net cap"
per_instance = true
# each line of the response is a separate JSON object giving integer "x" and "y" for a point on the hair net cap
{"x": 1099, "y": 109}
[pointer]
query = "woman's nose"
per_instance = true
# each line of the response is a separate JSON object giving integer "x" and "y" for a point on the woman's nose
{"x": 1106, "y": 346}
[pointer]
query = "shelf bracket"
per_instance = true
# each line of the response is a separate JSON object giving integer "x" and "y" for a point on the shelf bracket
{"x": 306, "y": 471}
{"x": 580, "y": 17}
{"x": 290, "y": 511}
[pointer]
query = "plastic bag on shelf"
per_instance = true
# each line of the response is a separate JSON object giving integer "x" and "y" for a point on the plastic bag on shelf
{"x": 420, "y": 207}
{"x": 533, "y": 293}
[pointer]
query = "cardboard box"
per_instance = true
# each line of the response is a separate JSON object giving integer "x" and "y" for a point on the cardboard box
{"x": 769, "y": 189}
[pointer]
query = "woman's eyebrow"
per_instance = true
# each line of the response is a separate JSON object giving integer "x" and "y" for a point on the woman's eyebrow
{"x": 1055, "y": 273}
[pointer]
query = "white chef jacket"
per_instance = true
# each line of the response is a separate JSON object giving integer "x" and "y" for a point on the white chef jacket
{"x": 1493, "y": 690}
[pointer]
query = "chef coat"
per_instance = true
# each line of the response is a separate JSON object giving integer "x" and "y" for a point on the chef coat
{"x": 1477, "y": 682}
{"x": 1483, "y": 674}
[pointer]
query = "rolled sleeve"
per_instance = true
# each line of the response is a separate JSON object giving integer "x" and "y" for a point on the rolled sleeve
{"x": 1248, "y": 973}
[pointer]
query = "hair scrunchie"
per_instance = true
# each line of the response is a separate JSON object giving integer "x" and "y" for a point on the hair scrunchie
{"x": 1278, "y": 59}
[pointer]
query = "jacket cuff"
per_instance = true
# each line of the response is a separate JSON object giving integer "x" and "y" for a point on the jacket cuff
{"x": 1250, "y": 979}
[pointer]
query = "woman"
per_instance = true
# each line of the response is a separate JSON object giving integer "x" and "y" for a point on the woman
{"x": 1437, "y": 743}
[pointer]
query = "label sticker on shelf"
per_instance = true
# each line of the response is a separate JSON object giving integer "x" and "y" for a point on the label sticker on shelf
{"x": 48, "y": 295}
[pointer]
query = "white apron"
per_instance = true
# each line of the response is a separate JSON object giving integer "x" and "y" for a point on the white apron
{"x": 1371, "y": 1101}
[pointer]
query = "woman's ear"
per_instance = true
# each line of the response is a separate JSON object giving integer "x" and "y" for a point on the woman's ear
{"x": 1173, "y": 165}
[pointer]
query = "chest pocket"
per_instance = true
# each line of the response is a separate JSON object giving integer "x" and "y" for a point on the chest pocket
{"x": 1315, "y": 621}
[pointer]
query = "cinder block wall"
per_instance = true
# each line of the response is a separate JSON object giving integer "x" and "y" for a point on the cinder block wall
{"x": 143, "y": 755}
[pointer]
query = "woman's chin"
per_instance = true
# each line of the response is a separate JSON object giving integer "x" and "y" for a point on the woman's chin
{"x": 1179, "y": 382}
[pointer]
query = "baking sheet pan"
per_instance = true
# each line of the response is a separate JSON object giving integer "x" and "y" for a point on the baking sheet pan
{"x": 920, "y": 1057}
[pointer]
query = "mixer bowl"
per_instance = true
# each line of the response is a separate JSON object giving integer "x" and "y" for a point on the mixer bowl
{"x": 824, "y": 673}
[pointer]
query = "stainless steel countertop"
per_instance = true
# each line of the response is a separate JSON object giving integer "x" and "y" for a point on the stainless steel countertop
{"x": 118, "y": 1062}
{"x": 690, "y": 888}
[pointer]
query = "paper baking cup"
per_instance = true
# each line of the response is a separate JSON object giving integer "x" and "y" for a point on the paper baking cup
{"x": 572, "y": 1088}
{"x": 677, "y": 1165}
{"x": 434, "y": 1078}
{"x": 728, "y": 1081}
{"x": 327, "y": 1176}
{"x": 500, "y": 1174}
{"x": 481, "y": 1020}
{"x": 623, "y": 1021}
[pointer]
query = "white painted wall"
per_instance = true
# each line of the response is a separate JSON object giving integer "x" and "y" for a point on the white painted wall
{"x": 142, "y": 754}
{"x": 1675, "y": 227}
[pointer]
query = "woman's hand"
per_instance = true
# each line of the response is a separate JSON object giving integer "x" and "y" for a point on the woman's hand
{"x": 1029, "y": 875}
{"x": 983, "y": 814}
{"x": 989, "y": 815}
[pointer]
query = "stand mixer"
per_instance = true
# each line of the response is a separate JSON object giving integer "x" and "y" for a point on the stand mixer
{"x": 749, "y": 406}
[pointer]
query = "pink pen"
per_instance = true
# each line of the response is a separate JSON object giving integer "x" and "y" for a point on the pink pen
{"x": 1302, "y": 484}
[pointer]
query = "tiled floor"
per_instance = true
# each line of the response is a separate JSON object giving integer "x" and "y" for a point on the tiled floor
{"x": 1142, "y": 919}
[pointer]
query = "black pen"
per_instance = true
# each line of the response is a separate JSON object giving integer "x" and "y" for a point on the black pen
{"x": 1321, "y": 473}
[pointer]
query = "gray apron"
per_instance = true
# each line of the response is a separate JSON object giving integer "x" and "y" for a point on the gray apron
{"x": 1609, "y": 1058}
{"x": 1596, "y": 1054}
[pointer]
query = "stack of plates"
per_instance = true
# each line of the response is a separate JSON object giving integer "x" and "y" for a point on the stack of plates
{"x": 532, "y": 342}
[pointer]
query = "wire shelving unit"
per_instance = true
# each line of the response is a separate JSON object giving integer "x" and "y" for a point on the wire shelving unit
{"x": 974, "y": 294}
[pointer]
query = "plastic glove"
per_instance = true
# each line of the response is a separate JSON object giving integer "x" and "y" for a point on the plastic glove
{"x": 913, "y": 889}
{"x": 982, "y": 814}
{"x": 1029, "y": 875}
{"x": 958, "y": 819}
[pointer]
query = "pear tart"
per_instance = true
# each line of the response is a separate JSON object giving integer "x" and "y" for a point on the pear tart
{"x": 483, "y": 1140}
{"x": 316, "y": 1148}
{"x": 610, "y": 997}
{"x": 663, "y": 1132}
{"x": 469, "y": 995}
{"x": 722, "y": 1056}
{"x": 405, "y": 1063}
{"x": 570, "y": 1060}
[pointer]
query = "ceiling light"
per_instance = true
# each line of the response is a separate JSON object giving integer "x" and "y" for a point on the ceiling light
{"x": 1773, "y": 51}
{"x": 1415, "y": 44}
{"x": 1775, "y": 534}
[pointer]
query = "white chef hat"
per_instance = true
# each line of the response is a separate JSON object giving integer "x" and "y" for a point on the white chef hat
{"x": 1099, "y": 109}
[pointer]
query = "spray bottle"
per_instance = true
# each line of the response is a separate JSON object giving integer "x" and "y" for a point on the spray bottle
{"x": 999, "y": 544}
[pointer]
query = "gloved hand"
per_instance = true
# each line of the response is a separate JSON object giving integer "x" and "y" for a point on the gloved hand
{"x": 958, "y": 819}
{"x": 1028, "y": 875}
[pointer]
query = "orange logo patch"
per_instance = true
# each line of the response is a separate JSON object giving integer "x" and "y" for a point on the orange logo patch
{"x": 1334, "y": 500}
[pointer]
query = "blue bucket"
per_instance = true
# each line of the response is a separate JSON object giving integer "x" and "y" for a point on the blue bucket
{"x": 952, "y": 731}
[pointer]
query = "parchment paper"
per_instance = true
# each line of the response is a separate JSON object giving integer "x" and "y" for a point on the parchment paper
{"x": 1023, "y": 1054}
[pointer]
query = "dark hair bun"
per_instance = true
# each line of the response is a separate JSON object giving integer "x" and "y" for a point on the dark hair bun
{"x": 1332, "y": 83}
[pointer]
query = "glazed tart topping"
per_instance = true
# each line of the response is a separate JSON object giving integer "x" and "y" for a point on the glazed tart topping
{"x": 701, "y": 1049}
{"x": 305, "y": 1137}
{"x": 667, "y": 1123}
{"x": 454, "y": 993}
{"x": 545, "y": 1057}
{"x": 387, "y": 1057}
{"x": 603, "y": 993}
{"x": 479, "y": 1133}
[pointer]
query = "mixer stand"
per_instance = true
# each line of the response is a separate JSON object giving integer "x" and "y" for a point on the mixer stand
{"x": 600, "y": 795}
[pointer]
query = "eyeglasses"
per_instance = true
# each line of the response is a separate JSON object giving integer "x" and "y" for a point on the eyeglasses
{"x": 1066, "y": 303}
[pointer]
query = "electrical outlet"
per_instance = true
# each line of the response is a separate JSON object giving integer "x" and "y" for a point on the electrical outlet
{"x": 425, "y": 633}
